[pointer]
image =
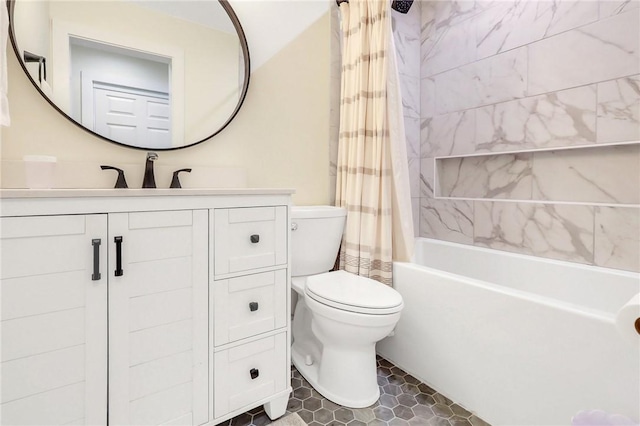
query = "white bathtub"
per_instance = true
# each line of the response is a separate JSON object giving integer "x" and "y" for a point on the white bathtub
{"x": 519, "y": 340}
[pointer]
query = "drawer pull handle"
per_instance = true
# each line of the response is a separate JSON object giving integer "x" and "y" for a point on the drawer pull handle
{"x": 118, "y": 272}
{"x": 255, "y": 238}
{"x": 96, "y": 259}
{"x": 254, "y": 373}
{"x": 253, "y": 306}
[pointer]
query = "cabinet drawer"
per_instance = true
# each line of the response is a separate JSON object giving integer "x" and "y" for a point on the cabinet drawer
{"x": 249, "y": 305}
{"x": 248, "y": 373}
{"x": 249, "y": 238}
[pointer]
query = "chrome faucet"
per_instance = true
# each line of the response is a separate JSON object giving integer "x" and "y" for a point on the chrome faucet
{"x": 149, "y": 180}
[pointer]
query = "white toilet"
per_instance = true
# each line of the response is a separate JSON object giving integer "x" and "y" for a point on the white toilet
{"x": 339, "y": 316}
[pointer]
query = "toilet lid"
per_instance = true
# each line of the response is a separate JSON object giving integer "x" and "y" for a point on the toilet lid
{"x": 353, "y": 293}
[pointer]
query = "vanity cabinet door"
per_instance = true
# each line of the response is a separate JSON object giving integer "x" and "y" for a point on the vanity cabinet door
{"x": 248, "y": 305}
{"x": 249, "y": 373}
{"x": 54, "y": 320}
{"x": 249, "y": 238}
{"x": 158, "y": 371}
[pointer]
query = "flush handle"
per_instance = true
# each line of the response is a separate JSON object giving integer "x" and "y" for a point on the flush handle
{"x": 253, "y": 306}
{"x": 255, "y": 238}
{"x": 254, "y": 372}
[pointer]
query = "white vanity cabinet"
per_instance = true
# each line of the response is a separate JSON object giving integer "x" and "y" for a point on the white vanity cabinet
{"x": 158, "y": 317}
{"x": 54, "y": 320}
{"x": 249, "y": 298}
{"x": 115, "y": 311}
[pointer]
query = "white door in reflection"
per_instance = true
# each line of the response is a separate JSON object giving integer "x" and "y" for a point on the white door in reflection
{"x": 132, "y": 116}
{"x": 122, "y": 94}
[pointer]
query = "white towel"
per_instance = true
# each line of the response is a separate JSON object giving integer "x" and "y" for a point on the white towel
{"x": 4, "y": 84}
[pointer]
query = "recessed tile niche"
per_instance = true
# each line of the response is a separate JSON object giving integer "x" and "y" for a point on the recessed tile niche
{"x": 591, "y": 175}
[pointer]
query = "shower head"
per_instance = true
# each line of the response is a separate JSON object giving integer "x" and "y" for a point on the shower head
{"x": 402, "y": 6}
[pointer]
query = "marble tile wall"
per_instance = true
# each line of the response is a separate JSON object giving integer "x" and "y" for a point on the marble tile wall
{"x": 616, "y": 231}
{"x": 619, "y": 110}
{"x": 593, "y": 175}
{"x": 507, "y": 176}
{"x": 500, "y": 77}
{"x": 608, "y": 175}
{"x": 556, "y": 231}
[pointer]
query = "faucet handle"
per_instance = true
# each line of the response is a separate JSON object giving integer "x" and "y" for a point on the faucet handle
{"x": 121, "y": 182}
{"x": 175, "y": 181}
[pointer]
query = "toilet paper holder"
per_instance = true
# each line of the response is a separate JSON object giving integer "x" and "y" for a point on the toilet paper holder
{"x": 627, "y": 320}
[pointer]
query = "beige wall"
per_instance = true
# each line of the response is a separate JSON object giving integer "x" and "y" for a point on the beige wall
{"x": 279, "y": 136}
{"x": 31, "y": 26}
{"x": 212, "y": 66}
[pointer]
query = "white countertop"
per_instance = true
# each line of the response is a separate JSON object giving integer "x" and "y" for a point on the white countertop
{"x": 36, "y": 202}
{"x": 88, "y": 193}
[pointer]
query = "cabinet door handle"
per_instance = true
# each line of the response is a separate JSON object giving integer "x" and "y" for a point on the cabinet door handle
{"x": 253, "y": 306}
{"x": 254, "y": 373}
{"x": 255, "y": 238}
{"x": 96, "y": 259}
{"x": 118, "y": 271}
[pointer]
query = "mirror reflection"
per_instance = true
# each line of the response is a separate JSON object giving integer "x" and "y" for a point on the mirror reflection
{"x": 159, "y": 74}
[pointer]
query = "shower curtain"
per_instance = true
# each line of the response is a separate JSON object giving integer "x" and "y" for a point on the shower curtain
{"x": 372, "y": 175}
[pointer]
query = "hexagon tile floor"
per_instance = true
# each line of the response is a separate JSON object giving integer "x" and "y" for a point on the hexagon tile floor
{"x": 404, "y": 400}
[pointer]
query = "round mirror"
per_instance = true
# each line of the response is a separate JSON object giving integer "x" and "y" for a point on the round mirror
{"x": 149, "y": 74}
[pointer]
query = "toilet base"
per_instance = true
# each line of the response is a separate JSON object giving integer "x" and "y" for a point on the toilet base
{"x": 311, "y": 373}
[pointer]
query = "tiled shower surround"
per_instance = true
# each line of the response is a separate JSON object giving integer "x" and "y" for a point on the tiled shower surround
{"x": 512, "y": 77}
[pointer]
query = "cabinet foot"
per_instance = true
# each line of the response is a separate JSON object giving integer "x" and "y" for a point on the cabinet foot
{"x": 277, "y": 407}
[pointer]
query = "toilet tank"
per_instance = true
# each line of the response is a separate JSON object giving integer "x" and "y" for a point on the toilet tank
{"x": 316, "y": 232}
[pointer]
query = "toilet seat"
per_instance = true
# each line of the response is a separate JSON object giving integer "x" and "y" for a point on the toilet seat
{"x": 353, "y": 293}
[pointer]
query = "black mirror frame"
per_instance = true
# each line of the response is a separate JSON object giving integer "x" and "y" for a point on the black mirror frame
{"x": 247, "y": 74}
